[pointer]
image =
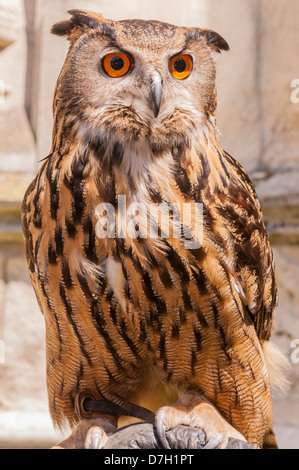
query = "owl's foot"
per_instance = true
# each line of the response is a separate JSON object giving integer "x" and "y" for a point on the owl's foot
{"x": 195, "y": 411}
{"x": 88, "y": 434}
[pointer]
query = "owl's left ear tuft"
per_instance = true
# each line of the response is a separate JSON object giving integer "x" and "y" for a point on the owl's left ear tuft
{"x": 79, "y": 21}
{"x": 217, "y": 42}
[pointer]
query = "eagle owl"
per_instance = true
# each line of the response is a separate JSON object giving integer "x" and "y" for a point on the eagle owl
{"x": 171, "y": 323}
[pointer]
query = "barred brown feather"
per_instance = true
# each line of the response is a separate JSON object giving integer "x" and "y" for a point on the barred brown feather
{"x": 143, "y": 320}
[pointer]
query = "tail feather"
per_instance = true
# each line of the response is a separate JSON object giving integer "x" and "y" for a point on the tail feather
{"x": 278, "y": 366}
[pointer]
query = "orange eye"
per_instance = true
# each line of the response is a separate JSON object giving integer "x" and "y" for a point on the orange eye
{"x": 116, "y": 65}
{"x": 181, "y": 66}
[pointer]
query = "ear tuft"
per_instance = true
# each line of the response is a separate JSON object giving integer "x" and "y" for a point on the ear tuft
{"x": 62, "y": 28}
{"x": 79, "y": 19}
{"x": 217, "y": 42}
{"x": 87, "y": 18}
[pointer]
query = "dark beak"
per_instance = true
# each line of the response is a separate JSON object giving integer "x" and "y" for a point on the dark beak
{"x": 156, "y": 94}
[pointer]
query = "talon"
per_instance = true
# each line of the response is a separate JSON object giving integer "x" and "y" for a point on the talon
{"x": 96, "y": 438}
{"x": 205, "y": 426}
{"x": 161, "y": 429}
{"x": 88, "y": 434}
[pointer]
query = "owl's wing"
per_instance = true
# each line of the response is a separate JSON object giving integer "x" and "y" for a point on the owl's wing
{"x": 26, "y": 219}
{"x": 254, "y": 264}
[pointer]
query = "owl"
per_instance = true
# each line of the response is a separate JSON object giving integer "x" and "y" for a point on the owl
{"x": 146, "y": 244}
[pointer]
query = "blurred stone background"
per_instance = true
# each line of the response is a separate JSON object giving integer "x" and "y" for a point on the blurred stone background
{"x": 259, "y": 123}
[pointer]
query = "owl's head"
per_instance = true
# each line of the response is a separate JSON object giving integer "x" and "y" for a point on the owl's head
{"x": 136, "y": 80}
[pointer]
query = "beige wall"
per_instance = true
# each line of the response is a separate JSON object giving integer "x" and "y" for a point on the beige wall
{"x": 259, "y": 125}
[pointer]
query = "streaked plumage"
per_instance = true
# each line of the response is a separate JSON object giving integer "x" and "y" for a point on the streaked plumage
{"x": 144, "y": 320}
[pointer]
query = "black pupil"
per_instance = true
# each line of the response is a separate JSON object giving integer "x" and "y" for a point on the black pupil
{"x": 180, "y": 65}
{"x": 117, "y": 63}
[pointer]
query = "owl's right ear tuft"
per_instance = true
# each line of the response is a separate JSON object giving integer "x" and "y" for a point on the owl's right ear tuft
{"x": 80, "y": 21}
{"x": 62, "y": 28}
